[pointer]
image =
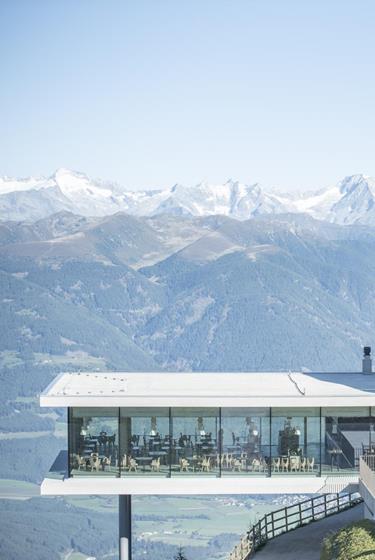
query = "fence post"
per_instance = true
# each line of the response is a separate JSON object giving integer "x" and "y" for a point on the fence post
{"x": 260, "y": 533}
{"x": 313, "y": 509}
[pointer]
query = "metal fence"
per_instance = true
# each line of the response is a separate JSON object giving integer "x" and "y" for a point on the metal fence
{"x": 291, "y": 517}
{"x": 369, "y": 459}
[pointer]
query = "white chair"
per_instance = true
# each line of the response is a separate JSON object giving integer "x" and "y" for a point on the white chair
{"x": 294, "y": 463}
{"x": 284, "y": 464}
{"x": 256, "y": 465}
{"x": 155, "y": 465}
{"x": 94, "y": 462}
{"x": 220, "y": 459}
{"x": 184, "y": 465}
{"x": 303, "y": 464}
{"x": 237, "y": 465}
{"x": 310, "y": 464}
{"x": 81, "y": 462}
{"x": 206, "y": 464}
{"x": 133, "y": 465}
{"x": 276, "y": 464}
{"x": 228, "y": 459}
{"x": 243, "y": 459}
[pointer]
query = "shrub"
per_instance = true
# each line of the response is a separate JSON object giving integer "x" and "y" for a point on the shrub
{"x": 354, "y": 542}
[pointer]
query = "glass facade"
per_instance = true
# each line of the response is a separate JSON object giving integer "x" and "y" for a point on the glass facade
{"x": 245, "y": 441}
{"x": 347, "y": 433}
{"x": 195, "y": 449}
{"x": 295, "y": 446}
{"x": 144, "y": 441}
{"x": 93, "y": 441}
{"x": 211, "y": 442}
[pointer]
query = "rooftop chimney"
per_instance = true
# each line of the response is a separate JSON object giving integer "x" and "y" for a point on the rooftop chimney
{"x": 367, "y": 361}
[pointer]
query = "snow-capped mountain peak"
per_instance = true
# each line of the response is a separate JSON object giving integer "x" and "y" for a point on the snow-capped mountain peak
{"x": 352, "y": 183}
{"x": 351, "y": 200}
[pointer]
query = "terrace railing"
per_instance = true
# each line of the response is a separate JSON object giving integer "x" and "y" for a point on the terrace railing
{"x": 367, "y": 471}
{"x": 289, "y": 518}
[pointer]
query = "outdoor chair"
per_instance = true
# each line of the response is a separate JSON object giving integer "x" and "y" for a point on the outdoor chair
{"x": 303, "y": 464}
{"x": 276, "y": 464}
{"x": 284, "y": 464}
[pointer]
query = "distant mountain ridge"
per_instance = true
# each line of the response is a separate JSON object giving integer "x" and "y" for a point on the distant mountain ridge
{"x": 211, "y": 293}
{"x": 351, "y": 201}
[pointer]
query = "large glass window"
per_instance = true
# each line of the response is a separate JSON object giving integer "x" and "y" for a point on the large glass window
{"x": 245, "y": 441}
{"x": 93, "y": 442}
{"x": 195, "y": 448}
{"x": 346, "y": 435}
{"x": 144, "y": 441}
{"x": 295, "y": 441}
{"x": 212, "y": 442}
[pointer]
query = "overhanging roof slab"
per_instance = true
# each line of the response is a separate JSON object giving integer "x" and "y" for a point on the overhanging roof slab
{"x": 175, "y": 389}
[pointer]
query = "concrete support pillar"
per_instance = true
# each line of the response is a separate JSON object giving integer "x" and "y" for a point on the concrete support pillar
{"x": 125, "y": 527}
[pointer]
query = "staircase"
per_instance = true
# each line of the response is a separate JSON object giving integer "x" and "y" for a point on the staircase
{"x": 289, "y": 518}
{"x": 339, "y": 484}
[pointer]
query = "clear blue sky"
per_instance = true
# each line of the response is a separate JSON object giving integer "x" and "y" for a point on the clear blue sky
{"x": 153, "y": 92}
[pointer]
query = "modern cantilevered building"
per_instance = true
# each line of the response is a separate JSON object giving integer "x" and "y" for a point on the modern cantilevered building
{"x": 212, "y": 433}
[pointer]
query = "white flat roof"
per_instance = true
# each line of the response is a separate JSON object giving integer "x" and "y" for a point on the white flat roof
{"x": 260, "y": 389}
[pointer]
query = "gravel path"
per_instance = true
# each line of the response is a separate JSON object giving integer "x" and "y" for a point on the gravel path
{"x": 304, "y": 543}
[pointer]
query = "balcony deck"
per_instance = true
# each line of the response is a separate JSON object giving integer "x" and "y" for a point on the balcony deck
{"x": 182, "y": 485}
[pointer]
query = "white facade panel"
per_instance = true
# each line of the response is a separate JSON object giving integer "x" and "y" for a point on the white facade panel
{"x": 188, "y": 486}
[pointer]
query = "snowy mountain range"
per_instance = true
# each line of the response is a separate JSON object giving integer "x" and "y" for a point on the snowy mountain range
{"x": 351, "y": 201}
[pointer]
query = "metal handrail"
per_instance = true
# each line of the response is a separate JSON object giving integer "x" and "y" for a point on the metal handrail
{"x": 285, "y": 519}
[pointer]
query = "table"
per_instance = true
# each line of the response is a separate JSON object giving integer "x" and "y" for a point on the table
{"x": 144, "y": 461}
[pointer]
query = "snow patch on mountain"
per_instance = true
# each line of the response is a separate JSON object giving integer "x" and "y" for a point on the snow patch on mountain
{"x": 351, "y": 201}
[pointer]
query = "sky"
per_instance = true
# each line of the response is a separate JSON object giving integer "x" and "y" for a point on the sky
{"x": 154, "y": 92}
